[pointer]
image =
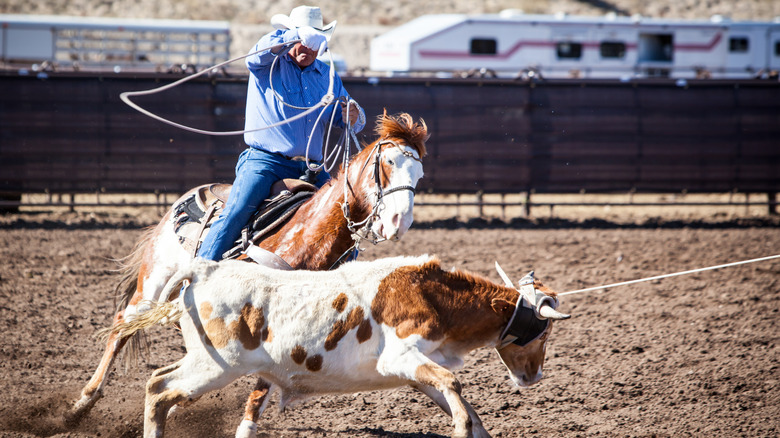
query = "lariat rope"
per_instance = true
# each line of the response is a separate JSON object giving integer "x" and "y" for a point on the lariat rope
{"x": 326, "y": 100}
{"x": 657, "y": 277}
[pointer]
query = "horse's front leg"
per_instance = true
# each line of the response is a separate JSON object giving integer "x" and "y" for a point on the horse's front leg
{"x": 255, "y": 406}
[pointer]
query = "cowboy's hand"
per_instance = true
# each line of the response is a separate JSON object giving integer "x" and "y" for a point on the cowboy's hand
{"x": 313, "y": 40}
{"x": 354, "y": 113}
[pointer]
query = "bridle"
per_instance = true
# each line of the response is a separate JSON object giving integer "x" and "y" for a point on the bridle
{"x": 363, "y": 230}
{"x": 366, "y": 224}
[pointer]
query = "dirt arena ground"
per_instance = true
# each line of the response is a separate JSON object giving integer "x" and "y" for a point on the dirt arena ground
{"x": 695, "y": 355}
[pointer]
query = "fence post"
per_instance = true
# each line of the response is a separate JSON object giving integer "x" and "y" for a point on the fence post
{"x": 772, "y": 203}
{"x": 528, "y": 204}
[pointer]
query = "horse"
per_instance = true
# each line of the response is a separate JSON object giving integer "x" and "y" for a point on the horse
{"x": 375, "y": 188}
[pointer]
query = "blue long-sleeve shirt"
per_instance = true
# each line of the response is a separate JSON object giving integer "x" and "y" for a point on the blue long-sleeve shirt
{"x": 299, "y": 87}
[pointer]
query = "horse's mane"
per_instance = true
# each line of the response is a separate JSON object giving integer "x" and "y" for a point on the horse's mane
{"x": 402, "y": 127}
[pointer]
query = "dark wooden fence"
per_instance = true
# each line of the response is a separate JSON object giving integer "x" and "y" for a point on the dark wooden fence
{"x": 70, "y": 133}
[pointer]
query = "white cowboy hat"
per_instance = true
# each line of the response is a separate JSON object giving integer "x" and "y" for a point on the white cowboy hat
{"x": 304, "y": 16}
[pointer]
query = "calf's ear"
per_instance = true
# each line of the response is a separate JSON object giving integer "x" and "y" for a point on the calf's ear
{"x": 503, "y": 307}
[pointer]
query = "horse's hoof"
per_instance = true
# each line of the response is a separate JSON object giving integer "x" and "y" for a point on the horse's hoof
{"x": 74, "y": 416}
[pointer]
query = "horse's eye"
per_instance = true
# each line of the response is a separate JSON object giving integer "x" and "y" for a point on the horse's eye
{"x": 390, "y": 162}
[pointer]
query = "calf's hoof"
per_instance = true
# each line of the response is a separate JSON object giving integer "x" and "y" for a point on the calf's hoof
{"x": 462, "y": 433}
{"x": 247, "y": 429}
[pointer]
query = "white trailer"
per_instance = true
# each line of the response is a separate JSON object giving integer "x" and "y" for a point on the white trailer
{"x": 94, "y": 42}
{"x": 561, "y": 46}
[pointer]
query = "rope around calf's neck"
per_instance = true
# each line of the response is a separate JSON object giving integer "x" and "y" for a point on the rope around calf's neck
{"x": 657, "y": 277}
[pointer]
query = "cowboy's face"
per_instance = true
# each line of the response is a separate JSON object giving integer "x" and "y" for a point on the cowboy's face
{"x": 302, "y": 55}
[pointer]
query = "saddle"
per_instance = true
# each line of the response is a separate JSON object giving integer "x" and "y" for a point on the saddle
{"x": 197, "y": 212}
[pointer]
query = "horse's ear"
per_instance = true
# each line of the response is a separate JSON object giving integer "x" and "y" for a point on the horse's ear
{"x": 503, "y": 307}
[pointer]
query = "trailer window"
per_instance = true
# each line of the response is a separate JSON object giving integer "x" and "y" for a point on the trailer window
{"x": 612, "y": 49}
{"x": 777, "y": 48}
{"x": 483, "y": 46}
{"x": 739, "y": 44}
{"x": 655, "y": 47}
{"x": 569, "y": 50}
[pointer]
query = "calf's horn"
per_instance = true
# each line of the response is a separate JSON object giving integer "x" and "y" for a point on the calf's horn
{"x": 504, "y": 277}
{"x": 550, "y": 313}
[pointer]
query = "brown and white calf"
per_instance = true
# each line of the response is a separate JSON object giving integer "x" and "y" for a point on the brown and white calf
{"x": 365, "y": 326}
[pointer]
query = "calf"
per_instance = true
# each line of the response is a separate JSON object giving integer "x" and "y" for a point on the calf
{"x": 365, "y": 326}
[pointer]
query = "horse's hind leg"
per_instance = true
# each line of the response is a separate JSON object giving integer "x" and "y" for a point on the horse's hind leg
{"x": 94, "y": 388}
{"x": 141, "y": 280}
{"x": 255, "y": 405}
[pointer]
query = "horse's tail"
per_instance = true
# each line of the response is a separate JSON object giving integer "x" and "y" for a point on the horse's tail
{"x": 130, "y": 269}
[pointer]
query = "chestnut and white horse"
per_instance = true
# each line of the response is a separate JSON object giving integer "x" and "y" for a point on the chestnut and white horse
{"x": 378, "y": 189}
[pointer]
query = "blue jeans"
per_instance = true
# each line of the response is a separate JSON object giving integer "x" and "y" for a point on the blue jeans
{"x": 256, "y": 171}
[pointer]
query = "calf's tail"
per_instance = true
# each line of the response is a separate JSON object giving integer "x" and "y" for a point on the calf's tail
{"x": 160, "y": 312}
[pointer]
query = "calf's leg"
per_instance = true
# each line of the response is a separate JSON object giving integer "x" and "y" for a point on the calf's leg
{"x": 477, "y": 429}
{"x": 416, "y": 367}
{"x": 255, "y": 406}
{"x": 181, "y": 382}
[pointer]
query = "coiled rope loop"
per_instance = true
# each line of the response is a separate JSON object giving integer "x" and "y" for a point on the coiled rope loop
{"x": 326, "y": 100}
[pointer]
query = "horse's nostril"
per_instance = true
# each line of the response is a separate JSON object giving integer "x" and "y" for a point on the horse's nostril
{"x": 397, "y": 220}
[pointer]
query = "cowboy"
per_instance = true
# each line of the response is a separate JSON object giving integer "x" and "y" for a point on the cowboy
{"x": 282, "y": 81}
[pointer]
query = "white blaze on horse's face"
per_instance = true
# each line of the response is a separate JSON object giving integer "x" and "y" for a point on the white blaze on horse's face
{"x": 396, "y": 208}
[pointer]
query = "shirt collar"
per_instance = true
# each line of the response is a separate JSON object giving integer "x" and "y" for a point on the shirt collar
{"x": 320, "y": 66}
